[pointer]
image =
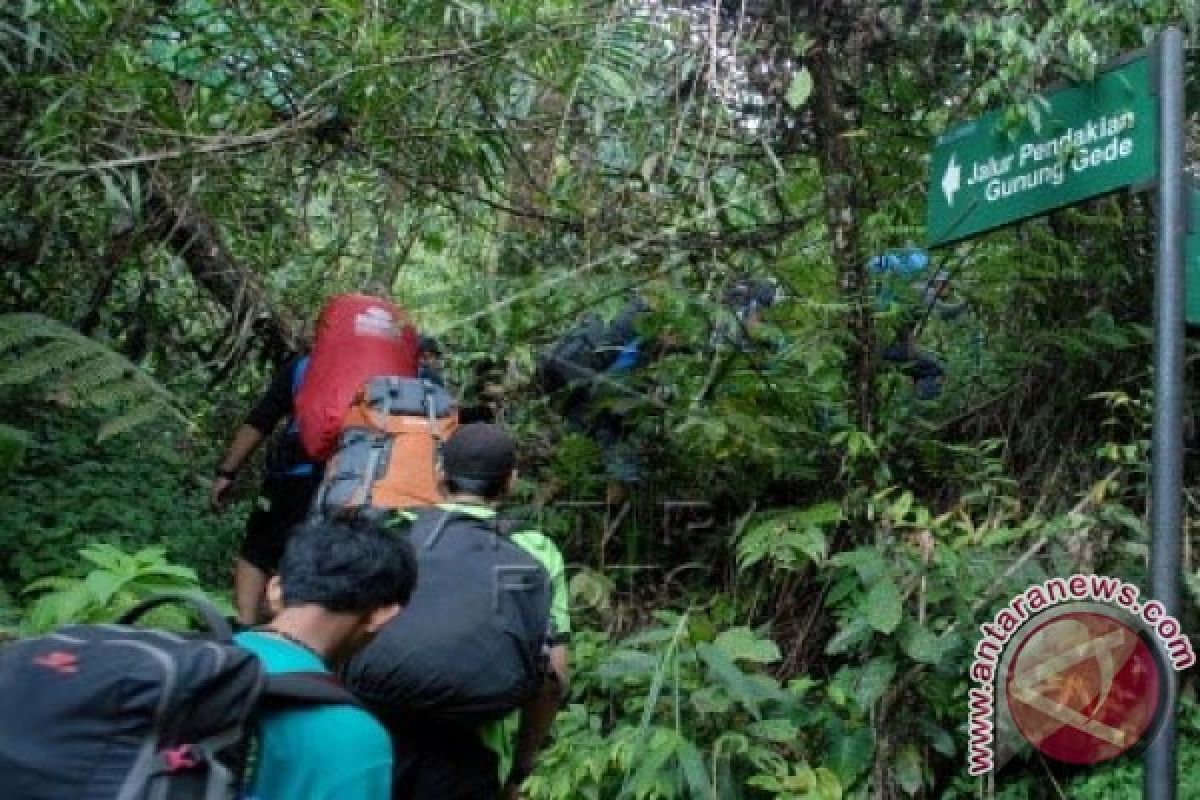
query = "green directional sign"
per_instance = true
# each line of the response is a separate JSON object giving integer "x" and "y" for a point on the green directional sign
{"x": 1192, "y": 254}
{"x": 1091, "y": 139}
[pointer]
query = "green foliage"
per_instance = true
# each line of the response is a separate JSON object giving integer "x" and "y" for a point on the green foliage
{"x": 671, "y": 713}
{"x": 787, "y": 538}
{"x": 133, "y": 491}
{"x": 13, "y": 443}
{"x": 82, "y": 373}
{"x": 501, "y": 168}
{"x": 107, "y": 583}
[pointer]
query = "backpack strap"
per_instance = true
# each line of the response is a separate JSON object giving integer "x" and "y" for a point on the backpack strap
{"x": 298, "y": 373}
{"x": 291, "y": 691}
{"x": 506, "y": 525}
{"x": 305, "y": 689}
{"x": 213, "y": 619}
{"x": 448, "y": 516}
{"x": 443, "y": 520}
{"x": 429, "y": 388}
{"x": 291, "y": 465}
{"x": 379, "y": 444}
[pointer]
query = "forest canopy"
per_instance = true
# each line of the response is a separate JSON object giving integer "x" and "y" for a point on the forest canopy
{"x": 785, "y": 605}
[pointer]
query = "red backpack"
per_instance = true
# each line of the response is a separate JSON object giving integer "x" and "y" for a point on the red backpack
{"x": 357, "y": 338}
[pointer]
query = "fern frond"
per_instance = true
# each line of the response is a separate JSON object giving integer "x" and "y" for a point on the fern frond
{"x": 94, "y": 375}
{"x": 43, "y": 361}
{"x": 17, "y": 329}
{"x": 140, "y": 415}
{"x": 36, "y": 348}
{"x": 117, "y": 393}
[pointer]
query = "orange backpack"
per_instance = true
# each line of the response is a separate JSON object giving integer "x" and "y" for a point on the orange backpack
{"x": 389, "y": 450}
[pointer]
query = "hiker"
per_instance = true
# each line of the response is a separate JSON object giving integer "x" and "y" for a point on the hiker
{"x": 924, "y": 299}
{"x": 357, "y": 338}
{"x": 746, "y": 299}
{"x": 922, "y": 368}
{"x": 935, "y": 295}
{"x": 429, "y": 361}
{"x": 592, "y": 368}
{"x": 289, "y": 482}
{"x": 120, "y": 710}
{"x": 339, "y": 583}
{"x": 451, "y": 677}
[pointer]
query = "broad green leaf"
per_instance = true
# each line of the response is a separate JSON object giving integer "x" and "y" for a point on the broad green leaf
{"x": 626, "y": 664}
{"x": 691, "y": 763}
{"x": 742, "y": 644}
{"x": 103, "y": 585}
{"x": 907, "y": 769}
{"x": 775, "y": 730}
{"x": 850, "y": 752}
{"x": 800, "y": 88}
{"x": 727, "y": 674}
{"x": 941, "y": 740}
{"x": 853, "y": 632}
{"x": 868, "y": 562}
{"x": 921, "y": 644}
{"x": 812, "y": 543}
{"x": 873, "y": 681}
{"x": 882, "y": 606}
{"x": 802, "y": 779}
{"x": 711, "y": 700}
{"x": 828, "y": 785}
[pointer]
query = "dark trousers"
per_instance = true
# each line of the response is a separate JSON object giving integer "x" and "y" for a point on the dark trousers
{"x": 924, "y": 370}
{"x": 442, "y": 763}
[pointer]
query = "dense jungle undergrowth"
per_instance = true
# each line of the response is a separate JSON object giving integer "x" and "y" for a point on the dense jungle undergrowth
{"x": 786, "y": 606}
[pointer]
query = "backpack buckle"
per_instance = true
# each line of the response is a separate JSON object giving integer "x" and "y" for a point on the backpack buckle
{"x": 177, "y": 759}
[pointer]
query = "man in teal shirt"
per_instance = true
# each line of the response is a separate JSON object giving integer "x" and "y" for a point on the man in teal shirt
{"x": 339, "y": 583}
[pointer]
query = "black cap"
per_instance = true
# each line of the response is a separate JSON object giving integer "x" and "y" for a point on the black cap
{"x": 479, "y": 451}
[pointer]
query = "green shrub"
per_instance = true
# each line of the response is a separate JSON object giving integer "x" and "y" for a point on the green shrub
{"x": 115, "y": 582}
{"x": 678, "y": 712}
{"x": 145, "y": 488}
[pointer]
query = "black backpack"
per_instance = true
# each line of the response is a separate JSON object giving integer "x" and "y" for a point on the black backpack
{"x": 589, "y": 348}
{"x": 113, "y": 712}
{"x": 471, "y": 646}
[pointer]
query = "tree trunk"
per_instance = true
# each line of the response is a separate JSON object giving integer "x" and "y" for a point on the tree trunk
{"x": 124, "y": 242}
{"x": 197, "y": 242}
{"x": 842, "y": 31}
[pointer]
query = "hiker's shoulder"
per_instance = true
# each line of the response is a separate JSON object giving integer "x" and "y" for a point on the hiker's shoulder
{"x": 538, "y": 545}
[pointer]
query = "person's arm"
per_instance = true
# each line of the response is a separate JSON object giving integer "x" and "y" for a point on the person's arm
{"x": 274, "y": 405}
{"x": 536, "y": 718}
{"x": 245, "y": 442}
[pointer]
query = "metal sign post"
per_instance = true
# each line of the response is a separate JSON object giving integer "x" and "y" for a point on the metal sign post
{"x": 1160, "y": 776}
{"x": 1124, "y": 130}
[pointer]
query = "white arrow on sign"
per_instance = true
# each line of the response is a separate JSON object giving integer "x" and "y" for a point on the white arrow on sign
{"x": 951, "y": 180}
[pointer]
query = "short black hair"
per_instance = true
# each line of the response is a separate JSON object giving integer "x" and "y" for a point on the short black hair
{"x": 487, "y": 488}
{"x": 347, "y": 565}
